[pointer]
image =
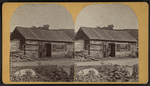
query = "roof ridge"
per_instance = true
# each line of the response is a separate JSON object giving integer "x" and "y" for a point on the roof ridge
{"x": 35, "y": 28}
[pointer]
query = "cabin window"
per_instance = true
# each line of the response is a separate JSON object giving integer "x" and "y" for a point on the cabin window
{"x": 123, "y": 47}
{"x": 128, "y": 47}
{"x": 59, "y": 47}
{"x": 118, "y": 47}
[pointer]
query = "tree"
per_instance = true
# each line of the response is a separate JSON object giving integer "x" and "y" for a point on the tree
{"x": 110, "y": 27}
{"x": 46, "y": 26}
{"x": 33, "y": 27}
{"x": 98, "y": 27}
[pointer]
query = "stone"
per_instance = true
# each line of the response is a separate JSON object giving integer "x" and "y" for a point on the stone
{"x": 86, "y": 71}
{"x": 29, "y": 59}
{"x": 130, "y": 70}
{"x": 23, "y": 72}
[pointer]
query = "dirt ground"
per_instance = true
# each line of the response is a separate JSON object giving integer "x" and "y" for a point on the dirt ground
{"x": 58, "y": 62}
{"x": 70, "y": 61}
{"x": 119, "y": 61}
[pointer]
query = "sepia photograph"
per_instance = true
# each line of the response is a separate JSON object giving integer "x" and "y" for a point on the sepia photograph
{"x": 106, "y": 44}
{"x": 41, "y": 44}
{"x": 75, "y": 43}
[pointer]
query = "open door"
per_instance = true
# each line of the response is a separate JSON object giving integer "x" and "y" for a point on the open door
{"x": 113, "y": 51}
{"x": 104, "y": 51}
{"x": 41, "y": 47}
{"x": 48, "y": 52}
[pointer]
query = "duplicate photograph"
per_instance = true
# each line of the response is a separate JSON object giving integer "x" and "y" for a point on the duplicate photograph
{"x": 48, "y": 44}
{"x": 41, "y": 44}
{"x": 106, "y": 44}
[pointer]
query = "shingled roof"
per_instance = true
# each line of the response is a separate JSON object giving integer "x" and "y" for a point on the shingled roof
{"x": 104, "y": 35}
{"x": 40, "y": 35}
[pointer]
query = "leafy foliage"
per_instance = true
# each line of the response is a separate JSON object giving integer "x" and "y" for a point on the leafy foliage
{"x": 110, "y": 73}
{"x": 48, "y": 73}
{"x": 135, "y": 73}
{"x": 54, "y": 73}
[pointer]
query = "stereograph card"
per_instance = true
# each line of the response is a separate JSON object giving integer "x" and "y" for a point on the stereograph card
{"x": 75, "y": 43}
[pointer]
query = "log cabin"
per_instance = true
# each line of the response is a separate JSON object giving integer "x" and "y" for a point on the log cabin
{"x": 41, "y": 43}
{"x": 100, "y": 42}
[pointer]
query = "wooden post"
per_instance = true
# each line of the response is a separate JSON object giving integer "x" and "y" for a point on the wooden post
{"x": 42, "y": 49}
{"x": 102, "y": 48}
{"x": 115, "y": 48}
{"x": 51, "y": 49}
{"x": 38, "y": 50}
{"x": 24, "y": 46}
{"x": 128, "y": 47}
{"x": 106, "y": 49}
{"x": 89, "y": 49}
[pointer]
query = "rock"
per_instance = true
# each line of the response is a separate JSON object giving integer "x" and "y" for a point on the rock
{"x": 130, "y": 70}
{"x": 94, "y": 59}
{"x": 24, "y": 71}
{"x": 29, "y": 59}
{"x": 86, "y": 71}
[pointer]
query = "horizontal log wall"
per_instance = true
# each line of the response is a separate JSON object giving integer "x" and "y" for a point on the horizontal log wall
{"x": 121, "y": 53}
{"x": 31, "y": 49}
{"x": 14, "y": 45}
{"x": 79, "y": 45}
{"x": 96, "y": 48}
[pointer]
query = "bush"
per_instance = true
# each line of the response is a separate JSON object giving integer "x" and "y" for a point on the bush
{"x": 70, "y": 54}
{"x": 54, "y": 73}
{"x": 25, "y": 78}
{"x": 137, "y": 54}
{"x": 110, "y": 73}
{"x": 115, "y": 73}
{"x": 135, "y": 73}
{"x": 49, "y": 73}
{"x": 71, "y": 75}
{"x": 90, "y": 77}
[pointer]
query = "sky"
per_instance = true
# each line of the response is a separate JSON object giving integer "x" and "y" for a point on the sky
{"x": 28, "y": 15}
{"x": 121, "y": 16}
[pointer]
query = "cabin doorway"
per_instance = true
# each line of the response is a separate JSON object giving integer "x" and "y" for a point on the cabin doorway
{"x": 48, "y": 51}
{"x": 113, "y": 51}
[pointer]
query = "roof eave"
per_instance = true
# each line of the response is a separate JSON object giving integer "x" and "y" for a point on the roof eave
{"x": 114, "y": 40}
{"x": 49, "y": 41}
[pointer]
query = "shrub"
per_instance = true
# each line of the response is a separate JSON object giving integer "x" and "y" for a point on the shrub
{"x": 135, "y": 73}
{"x": 68, "y": 56}
{"x": 25, "y": 78}
{"x": 115, "y": 73}
{"x": 48, "y": 73}
{"x": 71, "y": 75}
{"x": 54, "y": 73}
{"x": 109, "y": 73}
{"x": 90, "y": 77}
{"x": 137, "y": 54}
